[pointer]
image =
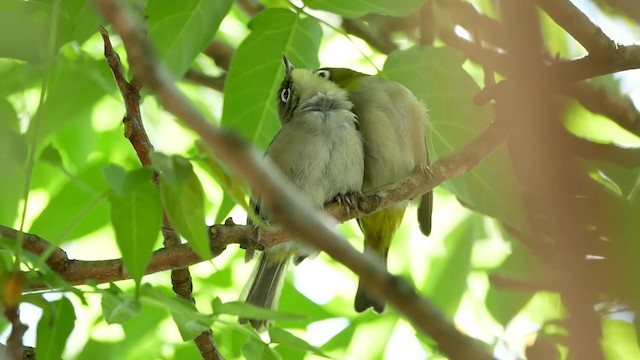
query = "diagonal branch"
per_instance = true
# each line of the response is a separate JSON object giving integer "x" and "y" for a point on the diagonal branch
{"x": 579, "y": 26}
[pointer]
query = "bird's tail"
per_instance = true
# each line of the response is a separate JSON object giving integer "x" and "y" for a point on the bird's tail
{"x": 265, "y": 286}
{"x": 378, "y": 229}
{"x": 424, "y": 213}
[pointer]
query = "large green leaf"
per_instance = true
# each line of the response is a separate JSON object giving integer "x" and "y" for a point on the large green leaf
{"x": 25, "y": 29}
{"x": 183, "y": 200}
{"x": 54, "y": 328}
{"x": 447, "y": 280}
{"x": 82, "y": 18}
{"x": 180, "y": 30}
{"x": 136, "y": 216}
{"x": 73, "y": 91}
{"x": 76, "y": 209}
{"x": 436, "y": 76}
{"x": 358, "y": 8}
{"x": 256, "y": 71}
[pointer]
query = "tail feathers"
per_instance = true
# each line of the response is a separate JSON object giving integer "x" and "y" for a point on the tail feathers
{"x": 265, "y": 288}
{"x": 364, "y": 299}
{"x": 424, "y": 213}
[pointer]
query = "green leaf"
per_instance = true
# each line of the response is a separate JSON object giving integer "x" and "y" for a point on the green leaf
{"x": 13, "y": 152}
{"x": 285, "y": 338}
{"x": 136, "y": 216}
{"x": 436, "y": 76}
{"x": 183, "y": 200}
{"x": 234, "y": 187}
{"x": 54, "y": 328}
{"x": 257, "y": 349}
{"x": 358, "y": 8}
{"x": 77, "y": 209}
{"x": 89, "y": 80}
{"x": 256, "y": 71}
{"x": 239, "y": 308}
{"x": 118, "y": 308}
{"x": 82, "y": 18}
{"x": 180, "y": 30}
{"x": 8, "y": 116}
{"x": 619, "y": 340}
{"x": 447, "y": 280}
{"x": 190, "y": 322}
{"x": 504, "y": 303}
{"x": 17, "y": 76}
{"x": 115, "y": 176}
{"x": 52, "y": 156}
{"x": 25, "y": 29}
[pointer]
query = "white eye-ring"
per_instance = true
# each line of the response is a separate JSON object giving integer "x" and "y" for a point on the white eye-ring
{"x": 325, "y": 74}
{"x": 285, "y": 95}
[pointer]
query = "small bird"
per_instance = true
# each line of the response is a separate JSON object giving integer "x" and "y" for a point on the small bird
{"x": 319, "y": 149}
{"x": 391, "y": 121}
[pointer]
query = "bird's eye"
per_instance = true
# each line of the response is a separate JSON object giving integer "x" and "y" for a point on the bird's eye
{"x": 285, "y": 95}
{"x": 325, "y": 74}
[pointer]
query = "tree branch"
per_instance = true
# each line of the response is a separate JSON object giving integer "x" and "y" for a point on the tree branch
{"x": 215, "y": 83}
{"x": 135, "y": 132}
{"x": 579, "y": 26}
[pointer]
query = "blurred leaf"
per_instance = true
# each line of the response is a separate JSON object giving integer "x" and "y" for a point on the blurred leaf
{"x": 447, "y": 280}
{"x": 141, "y": 339}
{"x": 180, "y": 30}
{"x": 118, "y": 308}
{"x": 256, "y": 71}
{"x": 54, "y": 327}
{"x": 234, "y": 187}
{"x": 76, "y": 209}
{"x": 13, "y": 146}
{"x": 285, "y": 338}
{"x": 504, "y": 303}
{"x": 115, "y": 176}
{"x": 190, "y": 322}
{"x": 353, "y": 9}
{"x": 13, "y": 152}
{"x": 436, "y": 76}
{"x": 239, "y": 308}
{"x": 136, "y": 216}
{"x": 292, "y": 300}
{"x": 258, "y": 350}
{"x": 51, "y": 155}
{"x": 596, "y": 128}
{"x": 8, "y": 116}
{"x": 82, "y": 18}
{"x": 25, "y": 29}
{"x": 83, "y": 77}
{"x": 16, "y": 76}
{"x": 183, "y": 200}
{"x": 619, "y": 340}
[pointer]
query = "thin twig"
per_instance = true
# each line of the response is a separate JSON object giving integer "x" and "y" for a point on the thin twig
{"x": 215, "y": 83}
{"x": 135, "y": 132}
{"x": 282, "y": 200}
{"x": 221, "y": 53}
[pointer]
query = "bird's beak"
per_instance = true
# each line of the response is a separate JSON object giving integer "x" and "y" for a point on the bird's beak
{"x": 287, "y": 65}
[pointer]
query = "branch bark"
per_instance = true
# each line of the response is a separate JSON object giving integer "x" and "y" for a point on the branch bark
{"x": 135, "y": 132}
